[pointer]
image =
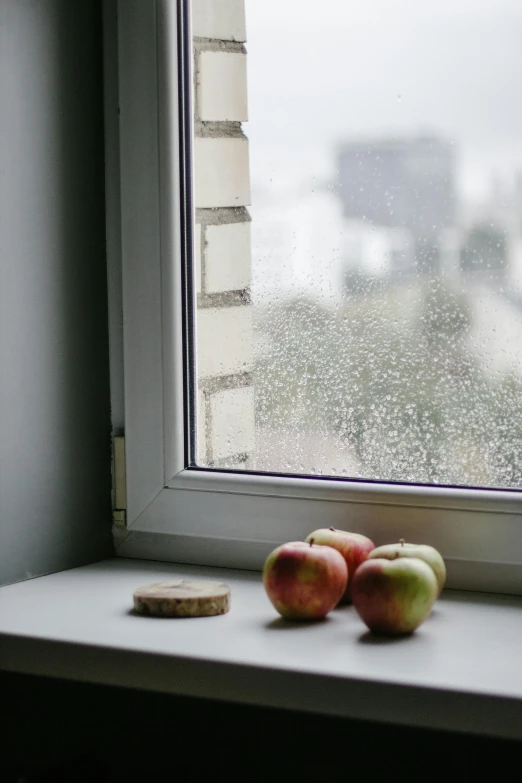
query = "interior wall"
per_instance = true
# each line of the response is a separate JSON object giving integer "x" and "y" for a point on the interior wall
{"x": 55, "y": 509}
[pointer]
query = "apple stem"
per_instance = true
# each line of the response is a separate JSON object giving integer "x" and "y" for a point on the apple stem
{"x": 332, "y": 529}
{"x": 311, "y": 541}
{"x": 401, "y": 541}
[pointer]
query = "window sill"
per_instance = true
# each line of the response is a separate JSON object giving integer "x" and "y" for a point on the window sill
{"x": 460, "y": 671}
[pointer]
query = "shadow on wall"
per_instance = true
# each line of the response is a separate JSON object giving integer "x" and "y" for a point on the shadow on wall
{"x": 55, "y": 509}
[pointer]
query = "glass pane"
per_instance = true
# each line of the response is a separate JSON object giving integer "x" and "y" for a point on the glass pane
{"x": 384, "y": 253}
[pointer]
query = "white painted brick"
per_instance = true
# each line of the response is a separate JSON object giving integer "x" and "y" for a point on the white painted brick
{"x": 222, "y": 174}
{"x": 197, "y": 258}
{"x": 224, "y": 341}
{"x": 201, "y": 442}
{"x": 233, "y": 425}
{"x": 227, "y": 257}
{"x": 222, "y": 87}
{"x": 222, "y": 19}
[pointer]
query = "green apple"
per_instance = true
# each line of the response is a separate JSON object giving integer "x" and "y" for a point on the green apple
{"x": 304, "y": 581}
{"x": 421, "y": 551}
{"x": 394, "y": 597}
{"x": 354, "y": 547}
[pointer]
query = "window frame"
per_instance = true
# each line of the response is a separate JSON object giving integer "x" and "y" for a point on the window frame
{"x": 227, "y": 518}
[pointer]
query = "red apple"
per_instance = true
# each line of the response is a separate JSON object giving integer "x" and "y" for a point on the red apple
{"x": 421, "y": 551}
{"x": 394, "y": 596}
{"x": 304, "y": 581}
{"x": 354, "y": 547}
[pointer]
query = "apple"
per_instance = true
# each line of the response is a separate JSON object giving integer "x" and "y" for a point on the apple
{"x": 304, "y": 581}
{"x": 394, "y": 596}
{"x": 354, "y": 547}
{"x": 421, "y": 551}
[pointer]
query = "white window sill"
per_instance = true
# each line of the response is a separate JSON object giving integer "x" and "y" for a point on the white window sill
{"x": 461, "y": 670}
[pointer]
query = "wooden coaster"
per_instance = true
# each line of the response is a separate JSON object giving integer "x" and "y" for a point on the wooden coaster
{"x": 183, "y": 598}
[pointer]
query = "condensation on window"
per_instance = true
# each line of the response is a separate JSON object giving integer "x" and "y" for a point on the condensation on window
{"x": 386, "y": 170}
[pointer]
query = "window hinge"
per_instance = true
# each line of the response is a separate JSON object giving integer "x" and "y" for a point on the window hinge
{"x": 119, "y": 513}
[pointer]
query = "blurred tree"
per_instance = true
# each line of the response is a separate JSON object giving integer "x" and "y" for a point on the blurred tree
{"x": 391, "y": 374}
{"x": 485, "y": 249}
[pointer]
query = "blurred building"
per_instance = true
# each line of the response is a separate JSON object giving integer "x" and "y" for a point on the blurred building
{"x": 376, "y": 251}
{"x": 402, "y": 183}
{"x": 296, "y": 245}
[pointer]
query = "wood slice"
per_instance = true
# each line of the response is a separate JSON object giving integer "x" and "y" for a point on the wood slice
{"x": 183, "y": 598}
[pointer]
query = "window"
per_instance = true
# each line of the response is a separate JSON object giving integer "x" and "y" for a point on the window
{"x": 231, "y": 514}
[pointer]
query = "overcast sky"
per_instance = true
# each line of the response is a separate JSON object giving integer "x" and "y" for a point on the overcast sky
{"x": 324, "y": 71}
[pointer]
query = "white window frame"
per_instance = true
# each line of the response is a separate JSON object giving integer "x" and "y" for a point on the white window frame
{"x": 223, "y": 518}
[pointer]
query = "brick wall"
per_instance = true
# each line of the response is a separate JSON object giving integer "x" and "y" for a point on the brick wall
{"x": 225, "y": 434}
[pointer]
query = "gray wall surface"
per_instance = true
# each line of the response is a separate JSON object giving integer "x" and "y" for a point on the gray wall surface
{"x": 55, "y": 509}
